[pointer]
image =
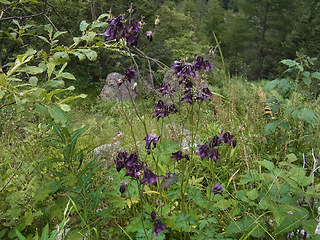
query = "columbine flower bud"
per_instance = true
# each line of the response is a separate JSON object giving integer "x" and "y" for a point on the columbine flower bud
{"x": 157, "y": 20}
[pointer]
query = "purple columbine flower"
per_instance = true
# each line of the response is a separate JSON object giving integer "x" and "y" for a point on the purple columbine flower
{"x": 227, "y": 138}
{"x": 120, "y": 160}
{"x": 149, "y": 35}
{"x": 123, "y": 187}
{"x": 158, "y": 227}
{"x": 215, "y": 142}
{"x": 132, "y": 160}
{"x": 203, "y": 151}
{"x": 178, "y": 156}
{"x": 198, "y": 63}
{"x": 133, "y": 38}
{"x": 153, "y": 215}
{"x": 217, "y": 189}
{"x": 129, "y": 73}
{"x": 113, "y": 28}
{"x": 134, "y": 26}
{"x": 165, "y": 88}
{"x": 214, "y": 154}
{"x": 134, "y": 171}
{"x": 151, "y": 139}
{"x": 188, "y": 97}
{"x": 204, "y": 94}
{"x": 161, "y": 110}
{"x": 149, "y": 177}
{"x": 207, "y": 66}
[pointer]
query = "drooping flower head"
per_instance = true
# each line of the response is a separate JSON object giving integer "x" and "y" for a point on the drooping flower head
{"x": 158, "y": 227}
{"x": 151, "y": 139}
{"x": 153, "y": 215}
{"x": 134, "y": 26}
{"x": 129, "y": 73}
{"x": 205, "y": 94}
{"x": 217, "y": 189}
{"x": 115, "y": 29}
{"x": 149, "y": 177}
{"x": 120, "y": 160}
{"x": 123, "y": 187}
{"x": 178, "y": 156}
{"x": 161, "y": 110}
{"x": 228, "y": 139}
{"x": 149, "y": 35}
{"x": 165, "y": 88}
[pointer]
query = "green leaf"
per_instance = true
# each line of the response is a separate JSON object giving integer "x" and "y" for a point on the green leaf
{"x": 31, "y": 70}
{"x": 83, "y": 26}
{"x": 316, "y": 75}
{"x": 90, "y": 54}
{"x": 252, "y": 194}
{"x": 44, "y": 39}
{"x": 104, "y": 15}
{"x": 61, "y": 57}
{"x": 67, "y": 76}
{"x": 71, "y": 98}
{"x": 45, "y": 233}
{"x": 267, "y": 164}
{"x": 271, "y": 127}
{"x": 5, "y": 2}
{"x": 79, "y": 55}
{"x": 289, "y": 62}
{"x": 57, "y": 114}
{"x": 65, "y": 107}
{"x": 57, "y": 34}
{"x": 99, "y": 24}
{"x": 292, "y": 157}
{"x": 310, "y": 226}
{"x": 307, "y": 81}
{"x": 55, "y": 84}
{"x": 33, "y": 80}
{"x": 307, "y": 115}
{"x": 2, "y": 93}
{"x": 19, "y": 235}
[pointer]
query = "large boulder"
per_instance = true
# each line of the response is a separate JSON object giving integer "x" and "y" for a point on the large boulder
{"x": 112, "y": 90}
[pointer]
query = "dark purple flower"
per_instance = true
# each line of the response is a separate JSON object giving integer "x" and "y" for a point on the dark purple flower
{"x": 203, "y": 151}
{"x": 198, "y": 63}
{"x": 214, "y": 154}
{"x": 132, "y": 160}
{"x": 149, "y": 35}
{"x": 165, "y": 88}
{"x": 153, "y": 215}
{"x": 158, "y": 227}
{"x": 178, "y": 156}
{"x": 217, "y": 189}
{"x": 120, "y": 160}
{"x": 207, "y": 66}
{"x": 123, "y": 187}
{"x": 134, "y": 171}
{"x": 215, "y": 142}
{"x": 151, "y": 139}
{"x": 134, "y": 26}
{"x": 115, "y": 26}
{"x": 133, "y": 38}
{"x": 226, "y": 137}
{"x": 188, "y": 97}
{"x": 129, "y": 73}
{"x": 149, "y": 177}
{"x": 234, "y": 143}
{"x": 161, "y": 110}
{"x": 177, "y": 66}
{"x": 183, "y": 70}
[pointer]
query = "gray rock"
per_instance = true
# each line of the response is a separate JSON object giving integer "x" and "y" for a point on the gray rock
{"x": 111, "y": 90}
{"x": 107, "y": 152}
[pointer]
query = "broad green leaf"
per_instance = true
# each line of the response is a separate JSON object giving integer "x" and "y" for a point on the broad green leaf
{"x": 44, "y": 39}
{"x": 79, "y": 55}
{"x": 57, "y": 114}
{"x": 292, "y": 157}
{"x": 83, "y": 26}
{"x": 271, "y": 85}
{"x": 31, "y": 70}
{"x": 61, "y": 57}
{"x": 71, "y": 98}
{"x": 99, "y": 24}
{"x": 57, "y": 34}
{"x": 289, "y": 62}
{"x": 306, "y": 74}
{"x": 307, "y": 81}
{"x": 19, "y": 235}
{"x": 45, "y": 233}
{"x": 252, "y": 194}
{"x": 90, "y": 54}
{"x": 3, "y": 78}
{"x": 284, "y": 125}
{"x": 270, "y": 127}
{"x": 65, "y": 107}
{"x": 310, "y": 226}
{"x": 50, "y": 66}
{"x": 55, "y": 84}
{"x": 267, "y": 164}
{"x": 33, "y": 80}
{"x": 316, "y": 75}
{"x": 307, "y": 115}
{"x": 67, "y": 76}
